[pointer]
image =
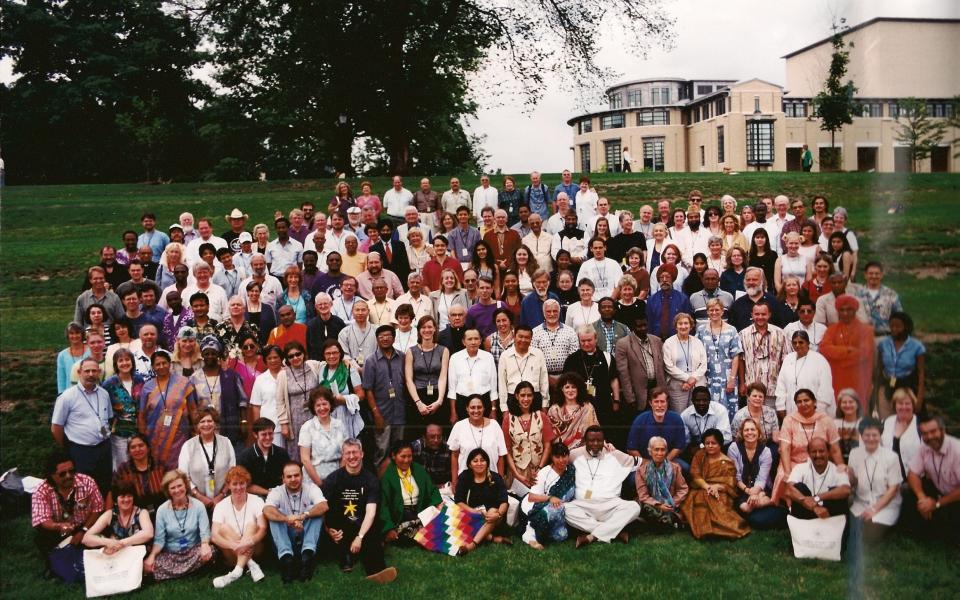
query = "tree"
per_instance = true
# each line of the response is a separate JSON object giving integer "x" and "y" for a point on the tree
{"x": 401, "y": 72}
{"x": 917, "y": 131}
{"x": 103, "y": 91}
{"x": 835, "y": 104}
{"x": 953, "y": 122}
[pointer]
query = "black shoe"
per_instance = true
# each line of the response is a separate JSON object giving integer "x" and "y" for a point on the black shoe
{"x": 308, "y": 562}
{"x": 288, "y": 568}
{"x": 346, "y": 562}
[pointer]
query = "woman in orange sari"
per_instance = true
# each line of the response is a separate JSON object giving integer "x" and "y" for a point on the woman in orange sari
{"x": 708, "y": 508}
{"x": 849, "y": 347}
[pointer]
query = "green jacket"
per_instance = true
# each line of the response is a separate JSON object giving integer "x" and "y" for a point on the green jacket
{"x": 391, "y": 498}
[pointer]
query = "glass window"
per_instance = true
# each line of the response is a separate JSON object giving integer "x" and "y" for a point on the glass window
{"x": 703, "y": 156}
{"x": 585, "y": 125}
{"x": 720, "y": 150}
{"x": 635, "y": 98}
{"x": 653, "y": 116}
{"x": 720, "y": 106}
{"x": 612, "y": 155}
{"x": 871, "y": 109}
{"x": 653, "y": 154}
{"x": 584, "y": 158}
{"x": 612, "y": 121}
{"x": 665, "y": 95}
{"x": 616, "y": 100}
{"x": 894, "y": 110}
{"x": 654, "y": 96}
{"x": 759, "y": 142}
{"x": 703, "y": 90}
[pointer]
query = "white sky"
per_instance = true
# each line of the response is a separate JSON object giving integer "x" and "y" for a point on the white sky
{"x": 734, "y": 39}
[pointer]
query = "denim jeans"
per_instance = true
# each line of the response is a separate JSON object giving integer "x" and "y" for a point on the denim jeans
{"x": 286, "y": 537}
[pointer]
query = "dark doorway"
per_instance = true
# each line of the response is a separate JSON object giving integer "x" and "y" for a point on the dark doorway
{"x": 866, "y": 159}
{"x": 794, "y": 159}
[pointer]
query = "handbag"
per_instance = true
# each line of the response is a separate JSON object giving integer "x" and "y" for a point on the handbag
{"x": 817, "y": 538}
{"x": 113, "y": 573}
{"x": 66, "y": 562}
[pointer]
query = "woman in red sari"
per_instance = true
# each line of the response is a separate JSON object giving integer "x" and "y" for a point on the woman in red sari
{"x": 849, "y": 347}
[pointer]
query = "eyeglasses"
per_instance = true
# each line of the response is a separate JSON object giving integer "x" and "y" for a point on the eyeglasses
{"x": 295, "y": 355}
{"x": 249, "y": 346}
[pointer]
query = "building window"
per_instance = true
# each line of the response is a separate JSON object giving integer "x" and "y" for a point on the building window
{"x": 612, "y": 121}
{"x": 703, "y": 156}
{"x": 795, "y": 109}
{"x": 653, "y": 116}
{"x": 616, "y": 100}
{"x": 612, "y": 155}
{"x": 584, "y": 126}
{"x": 894, "y": 110}
{"x": 756, "y": 104}
{"x": 584, "y": 158}
{"x": 720, "y": 153}
{"x": 635, "y": 98}
{"x": 705, "y": 111}
{"x": 703, "y": 90}
{"x": 653, "y": 154}
{"x": 660, "y": 95}
{"x": 720, "y": 106}
{"x": 871, "y": 109}
{"x": 759, "y": 142}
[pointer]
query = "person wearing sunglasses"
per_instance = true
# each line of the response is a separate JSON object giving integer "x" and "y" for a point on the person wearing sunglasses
{"x": 806, "y": 311}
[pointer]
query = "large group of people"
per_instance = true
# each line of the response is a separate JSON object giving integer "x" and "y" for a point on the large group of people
{"x": 556, "y": 366}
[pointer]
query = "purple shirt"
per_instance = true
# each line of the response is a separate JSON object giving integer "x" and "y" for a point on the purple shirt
{"x": 480, "y": 316}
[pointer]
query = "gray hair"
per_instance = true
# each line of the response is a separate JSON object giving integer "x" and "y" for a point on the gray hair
{"x": 550, "y": 301}
{"x": 763, "y": 278}
{"x": 201, "y": 266}
{"x": 656, "y": 439}
{"x": 351, "y": 442}
{"x": 322, "y": 296}
{"x": 715, "y": 238}
{"x": 586, "y": 330}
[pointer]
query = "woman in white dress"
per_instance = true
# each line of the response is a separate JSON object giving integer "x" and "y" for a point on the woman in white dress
{"x": 320, "y": 439}
{"x": 263, "y": 397}
{"x": 685, "y": 360}
{"x": 792, "y": 264}
{"x": 876, "y": 478}
{"x": 585, "y": 312}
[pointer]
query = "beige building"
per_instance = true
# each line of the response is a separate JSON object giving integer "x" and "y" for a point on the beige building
{"x": 678, "y": 125}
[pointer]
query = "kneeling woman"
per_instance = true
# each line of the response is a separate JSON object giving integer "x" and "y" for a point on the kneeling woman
{"x": 480, "y": 490}
{"x": 239, "y": 528}
{"x": 405, "y": 490}
{"x": 708, "y": 508}
{"x": 555, "y": 485}
{"x": 661, "y": 488}
{"x": 181, "y": 543}
{"x": 125, "y": 525}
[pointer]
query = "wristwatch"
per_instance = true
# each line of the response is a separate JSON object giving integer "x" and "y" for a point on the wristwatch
{"x": 937, "y": 507}
{"x": 818, "y": 500}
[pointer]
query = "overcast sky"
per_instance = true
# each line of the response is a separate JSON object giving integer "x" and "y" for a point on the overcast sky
{"x": 734, "y": 39}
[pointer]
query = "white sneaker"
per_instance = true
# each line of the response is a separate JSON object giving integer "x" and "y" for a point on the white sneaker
{"x": 256, "y": 573}
{"x": 225, "y": 580}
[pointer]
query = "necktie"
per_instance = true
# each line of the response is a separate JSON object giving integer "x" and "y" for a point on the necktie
{"x": 664, "y": 315}
{"x": 389, "y": 252}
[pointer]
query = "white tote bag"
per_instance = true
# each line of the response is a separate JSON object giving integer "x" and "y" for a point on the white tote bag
{"x": 817, "y": 538}
{"x": 108, "y": 574}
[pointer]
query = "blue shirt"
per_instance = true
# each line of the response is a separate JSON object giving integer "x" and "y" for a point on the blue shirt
{"x": 679, "y": 303}
{"x": 463, "y": 242}
{"x": 84, "y": 416}
{"x": 157, "y": 240}
{"x": 571, "y": 191}
{"x": 386, "y": 379}
{"x": 196, "y": 526}
{"x": 645, "y": 427}
{"x": 538, "y": 200}
{"x": 531, "y": 308}
{"x": 903, "y": 363}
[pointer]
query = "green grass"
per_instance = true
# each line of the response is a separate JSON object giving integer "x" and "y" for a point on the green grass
{"x": 50, "y": 234}
{"x": 676, "y": 566}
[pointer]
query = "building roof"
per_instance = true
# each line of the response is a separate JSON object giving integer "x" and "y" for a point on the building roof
{"x": 867, "y": 24}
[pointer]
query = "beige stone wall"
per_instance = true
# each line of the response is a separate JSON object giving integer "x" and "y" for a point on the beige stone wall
{"x": 889, "y": 59}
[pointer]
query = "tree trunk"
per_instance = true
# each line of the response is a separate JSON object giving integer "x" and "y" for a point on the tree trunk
{"x": 399, "y": 150}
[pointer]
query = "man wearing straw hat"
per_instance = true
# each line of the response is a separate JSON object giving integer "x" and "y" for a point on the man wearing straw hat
{"x": 237, "y": 221}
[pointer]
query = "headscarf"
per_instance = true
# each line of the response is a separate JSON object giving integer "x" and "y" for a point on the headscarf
{"x": 847, "y": 301}
{"x": 210, "y": 341}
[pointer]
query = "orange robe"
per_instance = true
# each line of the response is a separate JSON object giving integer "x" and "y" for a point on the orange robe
{"x": 850, "y": 350}
{"x": 281, "y": 336}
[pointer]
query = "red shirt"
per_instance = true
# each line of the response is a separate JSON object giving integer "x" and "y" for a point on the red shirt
{"x": 281, "y": 336}
{"x": 433, "y": 269}
{"x": 84, "y": 501}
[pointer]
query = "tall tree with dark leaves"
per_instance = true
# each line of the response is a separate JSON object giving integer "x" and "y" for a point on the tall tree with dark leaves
{"x": 102, "y": 92}
{"x": 318, "y": 75}
{"x": 835, "y": 104}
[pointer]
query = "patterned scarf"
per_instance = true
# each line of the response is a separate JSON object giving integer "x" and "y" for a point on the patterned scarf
{"x": 659, "y": 482}
{"x": 563, "y": 488}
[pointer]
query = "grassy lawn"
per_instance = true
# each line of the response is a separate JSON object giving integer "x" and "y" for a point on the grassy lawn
{"x": 50, "y": 234}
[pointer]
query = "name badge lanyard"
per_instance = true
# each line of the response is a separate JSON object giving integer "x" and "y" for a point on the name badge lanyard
{"x": 593, "y": 476}
{"x": 167, "y": 416}
{"x": 428, "y": 366}
{"x": 211, "y": 461}
{"x": 104, "y": 432}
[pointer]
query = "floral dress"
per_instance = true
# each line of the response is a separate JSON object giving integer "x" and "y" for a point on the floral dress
{"x": 721, "y": 350}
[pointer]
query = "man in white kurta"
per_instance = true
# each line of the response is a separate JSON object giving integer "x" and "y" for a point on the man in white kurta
{"x": 597, "y": 509}
{"x": 805, "y": 369}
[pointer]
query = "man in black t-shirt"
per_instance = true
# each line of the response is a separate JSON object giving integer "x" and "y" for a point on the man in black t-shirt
{"x": 353, "y": 494}
{"x": 263, "y": 459}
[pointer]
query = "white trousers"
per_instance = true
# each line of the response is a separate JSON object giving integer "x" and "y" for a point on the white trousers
{"x": 603, "y": 519}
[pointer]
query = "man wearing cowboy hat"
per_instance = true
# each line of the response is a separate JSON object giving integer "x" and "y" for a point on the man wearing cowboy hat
{"x": 237, "y": 220}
